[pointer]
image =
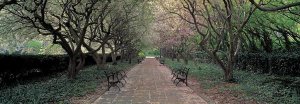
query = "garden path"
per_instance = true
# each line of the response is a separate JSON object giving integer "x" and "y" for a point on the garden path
{"x": 150, "y": 83}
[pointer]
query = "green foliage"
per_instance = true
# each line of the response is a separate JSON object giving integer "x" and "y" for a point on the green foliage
{"x": 275, "y": 25}
{"x": 264, "y": 88}
{"x": 29, "y": 46}
{"x": 271, "y": 89}
{"x": 34, "y": 46}
{"x": 281, "y": 63}
{"x": 152, "y": 52}
{"x": 141, "y": 54}
{"x": 209, "y": 74}
{"x": 52, "y": 49}
{"x": 57, "y": 89}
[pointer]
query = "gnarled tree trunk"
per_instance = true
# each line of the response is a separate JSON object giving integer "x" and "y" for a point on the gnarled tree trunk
{"x": 76, "y": 63}
{"x": 97, "y": 59}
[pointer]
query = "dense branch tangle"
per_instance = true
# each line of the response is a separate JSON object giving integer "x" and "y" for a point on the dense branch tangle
{"x": 75, "y": 23}
{"x": 220, "y": 26}
{"x": 223, "y": 26}
{"x": 276, "y": 8}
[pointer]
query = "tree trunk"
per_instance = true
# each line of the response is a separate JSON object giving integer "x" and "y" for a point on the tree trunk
{"x": 173, "y": 56}
{"x": 229, "y": 75}
{"x": 130, "y": 58}
{"x": 122, "y": 56}
{"x": 103, "y": 56}
{"x": 160, "y": 52}
{"x": 267, "y": 43}
{"x": 72, "y": 68}
{"x": 229, "y": 69}
{"x": 81, "y": 62}
{"x": 97, "y": 59}
{"x": 287, "y": 41}
{"x": 231, "y": 59}
{"x": 114, "y": 58}
{"x": 76, "y": 63}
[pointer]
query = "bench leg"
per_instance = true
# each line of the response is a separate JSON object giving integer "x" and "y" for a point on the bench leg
{"x": 175, "y": 80}
{"x": 186, "y": 83}
{"x": 125, "y": 80}
{"x": 179, "y": 80}
{"x": 109, "y": 86}
{"x": 173, "y": 77}
{"x": 119, "y": 88}
{"x": 121, "y": 83}
{"x": 182, "y": 80}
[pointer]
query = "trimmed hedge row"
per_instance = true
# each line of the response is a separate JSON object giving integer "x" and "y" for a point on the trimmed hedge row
{"x": 14, "y": 67}
{"x": 20, "y": 66}
{"x": 274, "y": 63}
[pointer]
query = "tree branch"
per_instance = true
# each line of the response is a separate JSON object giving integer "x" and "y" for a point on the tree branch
{"x": 286, "y": 6}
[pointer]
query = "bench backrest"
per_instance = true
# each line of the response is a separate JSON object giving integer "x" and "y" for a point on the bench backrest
{"x": 183, "y": 71}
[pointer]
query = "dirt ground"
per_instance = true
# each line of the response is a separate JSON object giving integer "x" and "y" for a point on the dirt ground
{"x": 215, "y": 96}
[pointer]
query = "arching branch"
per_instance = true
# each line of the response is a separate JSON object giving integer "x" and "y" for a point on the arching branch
{"x": 286, "y": 6}
{"x": 7, "y": 2}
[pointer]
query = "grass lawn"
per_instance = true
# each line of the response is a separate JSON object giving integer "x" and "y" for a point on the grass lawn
{"x": 261, "y": 87}
{"x": 56, "y": 88}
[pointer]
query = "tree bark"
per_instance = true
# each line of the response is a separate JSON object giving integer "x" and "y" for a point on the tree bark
{"x": 229, "y": 75}
{"x": 130, "y": 58}
{"x": 72, "y": 67}
{"x": 76, "y": 63}
{"x": 97, "y": 59}
{"x": 287, "y": 41}
{"x": 103, "y": 55}
{"x": 114, "y": 58}
{"x": 122, "y": 56}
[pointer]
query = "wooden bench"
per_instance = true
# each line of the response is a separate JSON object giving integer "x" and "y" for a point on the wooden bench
{"x": 115, "y": 77}
{"x": 139, "y": 60}
{"x": 180, "y": 74}
{"x": 162, "y": 61}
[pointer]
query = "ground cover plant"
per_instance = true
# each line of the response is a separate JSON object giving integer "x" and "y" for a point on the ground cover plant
{"x": 261, "y": 87}
{"x": 57, "y": 88}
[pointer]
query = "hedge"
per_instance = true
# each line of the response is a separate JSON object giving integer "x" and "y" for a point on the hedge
{"x": 20, "y": 67}
{"x": 273, "y": 63}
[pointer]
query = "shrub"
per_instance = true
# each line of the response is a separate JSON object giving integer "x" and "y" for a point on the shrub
{"x": 18, "y": 66}
{"x": 15, "y": 67}
{"x": 261, "y": 87}
{"x": 56, "y": 89}
{"x": 274, "y": 63}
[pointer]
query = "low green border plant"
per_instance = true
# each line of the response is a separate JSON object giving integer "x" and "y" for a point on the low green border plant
{"x": 261, "y": 87}
{"x": 57, "y": 89}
